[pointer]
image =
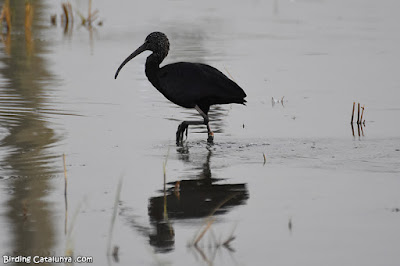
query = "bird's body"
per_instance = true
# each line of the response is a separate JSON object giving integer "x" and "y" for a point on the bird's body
{"x": 190, "y": 85}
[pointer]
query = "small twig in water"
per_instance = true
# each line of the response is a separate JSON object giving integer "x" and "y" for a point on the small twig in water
{"x": 362, "y": 113}
{"x": 352, "y": 114}
{"x": 210, "y": 219}
{"x": 65, "y": 195}
{"x": 209, "y": 223}
{"x": 229, "y": 74}
{"x": 114, "y": 215}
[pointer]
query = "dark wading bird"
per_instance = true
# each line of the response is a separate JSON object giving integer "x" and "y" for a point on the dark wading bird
{"x": 190, "y": 85}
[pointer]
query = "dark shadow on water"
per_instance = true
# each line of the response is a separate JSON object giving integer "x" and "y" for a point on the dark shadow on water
{"x": 194, "y": 196}
{"x": 191, "y": 198}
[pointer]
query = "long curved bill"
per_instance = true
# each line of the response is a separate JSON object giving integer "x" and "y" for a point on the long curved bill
{"x": 139, "y": 50}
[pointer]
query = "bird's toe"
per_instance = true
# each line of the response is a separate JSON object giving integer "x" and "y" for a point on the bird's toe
{"x": 180, "y": 132}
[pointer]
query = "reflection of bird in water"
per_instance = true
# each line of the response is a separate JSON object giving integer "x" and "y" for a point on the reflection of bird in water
{"x": 189, "y": 198}
{"x": 192, "y": 198}
{"x": 189, "y": 85}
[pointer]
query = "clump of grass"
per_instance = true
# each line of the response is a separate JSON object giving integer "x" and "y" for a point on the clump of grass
{"x": 67, "y": 18}
{"x": 360, "y": 114}
{"x": 91, "y": 17}
{"x": 360, "y": 118}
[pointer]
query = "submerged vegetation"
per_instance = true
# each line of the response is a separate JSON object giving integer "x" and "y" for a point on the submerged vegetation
{"x": 67, "y": 18}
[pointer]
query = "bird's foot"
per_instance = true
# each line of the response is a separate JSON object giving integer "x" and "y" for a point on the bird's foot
{"x": 210, "y": 139}
{"x": 180, "y": 132}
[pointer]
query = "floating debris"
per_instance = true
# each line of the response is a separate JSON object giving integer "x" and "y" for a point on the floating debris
{"x": 53, "y": 20}
{"x": 115, "y": 253}
{"x": 275, "y": 101}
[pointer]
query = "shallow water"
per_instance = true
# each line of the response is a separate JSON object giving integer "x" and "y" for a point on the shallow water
{"x": 291, "y": 181}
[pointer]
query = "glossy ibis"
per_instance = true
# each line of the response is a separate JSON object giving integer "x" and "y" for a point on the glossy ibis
{"x": 190, "y": 85}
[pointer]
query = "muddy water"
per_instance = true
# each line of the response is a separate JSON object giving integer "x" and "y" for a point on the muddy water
{"x": 322, "y": 195}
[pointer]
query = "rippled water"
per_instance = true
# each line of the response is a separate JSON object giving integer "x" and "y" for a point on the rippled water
{"x": 291, "y": 181}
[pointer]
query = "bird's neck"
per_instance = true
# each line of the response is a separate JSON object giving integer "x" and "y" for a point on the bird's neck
{"x": 152, "y": 67}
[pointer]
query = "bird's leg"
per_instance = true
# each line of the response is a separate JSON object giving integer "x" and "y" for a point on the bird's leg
{"x": 184, "y": 127}
{"x": 179, "y": 132}
{"x": 210, "y": 138}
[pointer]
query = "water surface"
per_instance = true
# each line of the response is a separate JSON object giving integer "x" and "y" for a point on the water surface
{"x": 322, "y": 195}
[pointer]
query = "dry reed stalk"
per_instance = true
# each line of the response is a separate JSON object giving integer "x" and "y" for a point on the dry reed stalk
{"x": 28, "y": 28}
{"x": 71, "y": 14}
{"x": 358, "y": 114}
{"x": 65, "y": 195}
{"x": 28, "y": 16}
{"x": 200, "y": 236}
{"x": 352, "y": 114}
{"x": 362, "y": 113}
{"x": 69, "y": 244}
{"x": 6, "y": 15}
{"x": 352, "y": 129}
{"x": 90, "y": 12}
{"x": 210, "y": 220}
{"x": 65, "y": 9}
{"x": 229, "y": 74}
{"x": 165, "y": 213}
{"x": 114, "y": 215}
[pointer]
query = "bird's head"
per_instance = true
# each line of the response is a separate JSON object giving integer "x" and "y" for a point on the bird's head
{"x": 157, "y": 42}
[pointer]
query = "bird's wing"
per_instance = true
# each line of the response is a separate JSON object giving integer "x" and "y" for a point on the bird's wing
{"x": 188, "y": 84}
